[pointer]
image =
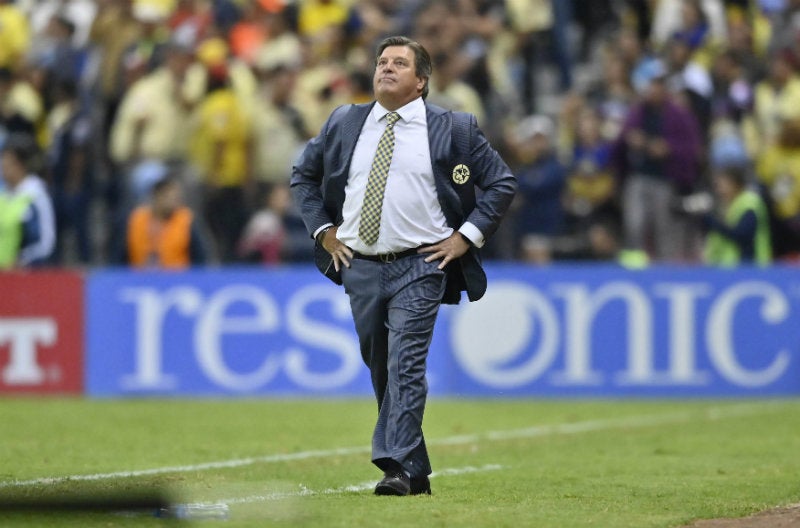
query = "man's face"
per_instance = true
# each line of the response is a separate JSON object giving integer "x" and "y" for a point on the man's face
{"x": 11, "y": 169}
{"x": 395, "y": 81}
{"x": 168, "y": 200}
{"x": 656, "y": 92}
{"x": 179, "y": 61}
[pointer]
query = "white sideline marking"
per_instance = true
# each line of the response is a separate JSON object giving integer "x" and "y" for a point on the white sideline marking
{"x": 364, "y": 486}
{"x": 711, "y": 413}
{"x": 222, "y": 464}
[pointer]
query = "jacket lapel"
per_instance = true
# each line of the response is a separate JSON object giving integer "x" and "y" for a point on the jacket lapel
{"x": 439, "y": 140}
{"x": 344, "y": 138}
{"x": 352, "y": 124}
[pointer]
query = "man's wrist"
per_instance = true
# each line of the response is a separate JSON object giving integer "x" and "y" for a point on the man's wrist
{"x": 466, "y": 239}
{"x": 472, "y": 233}
{"x": 321, "y": 235}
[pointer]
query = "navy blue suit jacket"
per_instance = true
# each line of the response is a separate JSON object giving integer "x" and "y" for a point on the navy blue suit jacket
{"x": 320, "y": 176}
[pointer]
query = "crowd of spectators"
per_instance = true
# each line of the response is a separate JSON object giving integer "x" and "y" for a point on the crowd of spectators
{"x": 164, "y": 131}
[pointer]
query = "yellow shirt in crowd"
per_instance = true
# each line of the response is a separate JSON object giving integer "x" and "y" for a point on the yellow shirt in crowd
{"x": 14, "y": 35}
{"x": 317, "y": 16}
{"x": 773, "y": 108}
{"x": 277, "y": 143}
{"x": 779, "y": 170}
{"x": 223, "y": 131}
{"x": 151, "y": 102}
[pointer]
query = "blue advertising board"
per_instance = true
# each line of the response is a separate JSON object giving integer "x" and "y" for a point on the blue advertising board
{"x": 558, "y": 331}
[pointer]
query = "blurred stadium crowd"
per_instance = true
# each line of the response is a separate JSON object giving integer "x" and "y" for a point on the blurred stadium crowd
{"x": 162, "y": 132}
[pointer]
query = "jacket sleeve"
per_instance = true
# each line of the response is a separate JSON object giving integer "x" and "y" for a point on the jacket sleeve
{"x": 307, "y": 178}
{"x": 494, "y": 178}
{"x": 685, "y": 146}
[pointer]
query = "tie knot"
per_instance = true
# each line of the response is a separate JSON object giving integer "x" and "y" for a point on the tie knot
{"x": 392, "y": 118}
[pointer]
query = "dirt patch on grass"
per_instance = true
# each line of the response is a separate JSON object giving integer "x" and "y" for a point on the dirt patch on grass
{"x": 785, "y": 517}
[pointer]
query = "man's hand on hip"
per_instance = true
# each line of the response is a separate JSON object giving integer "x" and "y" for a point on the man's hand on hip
{"x": 447, "y": 250}
{"x": 342, "y": 255}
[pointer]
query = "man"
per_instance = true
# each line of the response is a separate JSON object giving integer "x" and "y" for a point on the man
{"x": 657, "y": 157}
{"x": 71, "y": 169}
{"x": 222, "y": 143}
{"x": 31, "y": 243}
{"x": 152, "y": 124}
{"x": 19, "y": 224}
{"x": 541, "y": 177}
{"x": 739, "y": 233}
{"x": 164, "y": 233}
{"x": 410, "y": 245}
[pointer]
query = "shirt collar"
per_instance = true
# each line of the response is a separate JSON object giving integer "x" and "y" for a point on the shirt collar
{"x": 408, "y": 113}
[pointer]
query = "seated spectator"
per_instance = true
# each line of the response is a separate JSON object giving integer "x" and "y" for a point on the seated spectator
{"x": 739, "y": 234}
{"x": 163, "y": 233}
{"x": 590, "y": 183}
{"x": 541, "y": 181}
{"x": 264, "y": 236}
{"x": 604, "y": 241}
{"x": 26, "y": 211}
{"x": 276, "y": 232}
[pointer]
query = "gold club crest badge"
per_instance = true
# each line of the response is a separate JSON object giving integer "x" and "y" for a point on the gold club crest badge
{"x": 461, "y": 174}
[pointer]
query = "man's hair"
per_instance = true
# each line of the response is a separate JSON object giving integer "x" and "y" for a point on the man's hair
{"x": 23, "y": 147}
{"x": 164, "y": 183}
{"x": 423, "y": 66}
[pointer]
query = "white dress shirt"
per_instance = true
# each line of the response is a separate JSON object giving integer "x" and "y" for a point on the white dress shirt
{"x": 411, "y": 214}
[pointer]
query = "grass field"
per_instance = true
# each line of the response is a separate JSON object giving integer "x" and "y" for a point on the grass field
{"x": 519, "y": 463}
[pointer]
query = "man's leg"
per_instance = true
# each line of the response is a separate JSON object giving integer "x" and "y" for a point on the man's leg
{"x": 635, "y": 212}
{"x": 416, "y": 289}
{"x": 362, "y": 284}
{"x": 669, "y": 229}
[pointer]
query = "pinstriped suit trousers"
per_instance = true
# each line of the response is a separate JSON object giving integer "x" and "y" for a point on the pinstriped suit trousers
{"x": 394, "y": 308}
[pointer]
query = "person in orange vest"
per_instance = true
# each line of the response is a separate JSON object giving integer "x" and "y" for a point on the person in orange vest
{"x": 163, "y": 233}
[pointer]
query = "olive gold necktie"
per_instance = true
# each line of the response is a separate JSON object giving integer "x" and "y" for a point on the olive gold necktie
{"x": 370, "y": 222}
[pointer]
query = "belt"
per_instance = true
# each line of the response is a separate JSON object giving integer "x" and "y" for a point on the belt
{"x": 387, "y": 258}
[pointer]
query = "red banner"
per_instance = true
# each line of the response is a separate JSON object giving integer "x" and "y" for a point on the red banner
{"x": 41, "y": 332}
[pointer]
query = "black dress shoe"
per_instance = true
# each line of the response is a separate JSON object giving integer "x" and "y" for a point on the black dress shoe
{"x": 394, "y": 483}
{"x": 420, "y": 486}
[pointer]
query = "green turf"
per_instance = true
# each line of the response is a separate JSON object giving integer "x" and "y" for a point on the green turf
{"x": 603, "y": 463}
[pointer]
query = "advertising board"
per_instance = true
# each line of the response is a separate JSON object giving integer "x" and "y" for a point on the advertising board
{"x": 560, "y": 331}
{"x": 41, "y": 332}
